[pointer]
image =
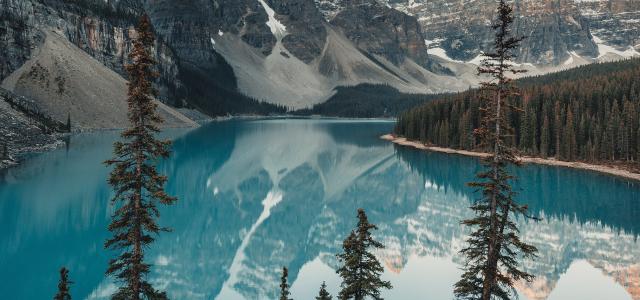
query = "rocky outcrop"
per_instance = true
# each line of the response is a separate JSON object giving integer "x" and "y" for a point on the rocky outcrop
{"x": 221, "y": 55}
{"x": 555, "y": 30}
{"x": 102, "y": 29}
{"x": 380, "y": 30}
{"x": 306, "y": 33}
{"x": 21, "y": 130}
{"x": 67, "y": 83}
{"x": 285, "y": 52}
{"x": 617, "y": 23}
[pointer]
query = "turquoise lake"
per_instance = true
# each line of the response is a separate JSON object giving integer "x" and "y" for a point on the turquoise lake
{"x": 256, "y": 195}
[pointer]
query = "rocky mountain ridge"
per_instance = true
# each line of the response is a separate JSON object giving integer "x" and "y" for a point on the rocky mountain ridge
{"x": 220, "y": 55}
{"x": 556, "y": 31}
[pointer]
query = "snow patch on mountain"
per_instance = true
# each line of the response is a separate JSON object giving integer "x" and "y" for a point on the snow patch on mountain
{"x": 277, "y": 28}
{"x": 605, "y": 50}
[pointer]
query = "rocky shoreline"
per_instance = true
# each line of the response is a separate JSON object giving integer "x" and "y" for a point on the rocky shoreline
{"x": 609, "y": 170}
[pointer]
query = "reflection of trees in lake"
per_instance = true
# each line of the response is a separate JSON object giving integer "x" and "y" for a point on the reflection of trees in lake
{"x": 222, "y": 173}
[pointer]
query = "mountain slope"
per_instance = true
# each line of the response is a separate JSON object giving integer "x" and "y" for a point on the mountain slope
{"x": 284, "y": 52}
{"x": 556, "y": 30}
{"x": 65, "y": 81}
{"x": 219, "y": 56}
{"x": 20, "y": 133}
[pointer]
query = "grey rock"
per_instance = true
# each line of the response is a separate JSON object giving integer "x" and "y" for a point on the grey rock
{"x": 553, "y": 28}
{"x": 383, "y": 31}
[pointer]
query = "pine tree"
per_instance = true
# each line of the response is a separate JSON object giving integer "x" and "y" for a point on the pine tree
{"x": 557, "y": 126}
{"x": 323, "y": 294}
{"x": 493, "y": 248}
{"x": 360, "y": 269}
{"x": 63, "y": 286}
{"x": 284, "y": 286}
{"x": 138, "y": 185}
{"x": 544, "y": 138}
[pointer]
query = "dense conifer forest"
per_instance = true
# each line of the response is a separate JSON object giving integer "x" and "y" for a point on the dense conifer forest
{"x": 590, "y": 114}
{"x": 367, "y": 101}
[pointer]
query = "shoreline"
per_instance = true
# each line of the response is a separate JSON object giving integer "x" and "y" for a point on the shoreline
{"x": 618, "y": 172}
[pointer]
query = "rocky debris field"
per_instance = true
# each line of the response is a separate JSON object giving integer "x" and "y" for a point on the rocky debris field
{"x": 19, "y": 134}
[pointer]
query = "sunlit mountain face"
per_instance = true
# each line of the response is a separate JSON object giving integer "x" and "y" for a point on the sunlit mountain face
{"x": 256, "y": 195}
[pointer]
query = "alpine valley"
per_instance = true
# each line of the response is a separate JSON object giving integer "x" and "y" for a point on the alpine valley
{"x": 320, "y": 149}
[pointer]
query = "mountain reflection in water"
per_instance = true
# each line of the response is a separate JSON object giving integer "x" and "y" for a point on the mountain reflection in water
{"x": 256, "y": 195}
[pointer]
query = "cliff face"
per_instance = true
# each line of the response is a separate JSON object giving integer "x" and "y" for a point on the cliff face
{"x": 555, "y": 29}
{"x": 102, "y": 29}
{"x": 285, "y": 52}
{"x": 616, "y": 22}
{"x": 219, "y": 55}
{"x": 383, "y": 31}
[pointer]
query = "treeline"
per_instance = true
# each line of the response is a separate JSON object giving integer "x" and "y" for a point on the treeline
{"x": 367, "y": 101}
{"x": 591, "y": 113}
{"x": 40, "y": 119}
{"x": 215, "y": 92}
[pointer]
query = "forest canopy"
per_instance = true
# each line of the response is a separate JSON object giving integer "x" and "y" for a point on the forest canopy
{"x": 590, "y": 113}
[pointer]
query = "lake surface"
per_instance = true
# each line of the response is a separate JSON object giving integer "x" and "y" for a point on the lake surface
{"x": 256, "y": 195}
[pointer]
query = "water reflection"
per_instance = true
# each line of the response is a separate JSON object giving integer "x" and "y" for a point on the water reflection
{"x": 257, "y": 195}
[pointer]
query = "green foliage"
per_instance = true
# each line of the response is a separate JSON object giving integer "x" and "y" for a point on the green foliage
{"x": 137, "y": 184}
{"x": 63, "y": 286}
{"x": 284, "y": 286}
{"x": 323, "y": 294}
{"x": 367, "y": 101}
{"x": 214, "y": 92}
{"x": 586, "y": 114}
{"x": 361, "y": 270}
{"x": 494, "y": 247}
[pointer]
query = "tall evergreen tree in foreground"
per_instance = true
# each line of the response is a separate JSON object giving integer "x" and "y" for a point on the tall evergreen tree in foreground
{"x": 137, "y": 184}
{"x": 63, "y": 286}
{"x": 323, "y": 294}
{"x": 493, "y": 248}
{"x": 284, "y": 286}
{"x": 360, "y": 269}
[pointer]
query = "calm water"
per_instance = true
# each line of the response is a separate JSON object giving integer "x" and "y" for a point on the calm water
{"x": 257, "y": 195}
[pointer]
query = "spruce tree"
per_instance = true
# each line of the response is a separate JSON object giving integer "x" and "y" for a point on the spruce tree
{"x": 545, "y": 138}
{"x": 323, "y": 294}
{"x": 361, "y": 270}
{"x": 284, "y": 286}
{"x": 492, "y": 250}
{"x": 63, "y": 286}
{"x": 138, "y": 185}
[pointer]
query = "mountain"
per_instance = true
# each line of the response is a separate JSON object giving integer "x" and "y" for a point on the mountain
{"x": 260, "y": 56}
{"x": 283, "y": 51}
{"x": 21, "y": 130}
{"x": 66, "y": 82}
{"x": 104, "y": 30}
{"x": 557, "y": 31}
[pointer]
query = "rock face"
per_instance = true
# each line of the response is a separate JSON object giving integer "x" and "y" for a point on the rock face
{"x": 20, "y": 132}
{"x": 616, "y": 22}
{"x": 383, "y": 31}
{"x": 66, "y": 82}
{"x": 306, "y": 34}
{"x": 285, "y": 52}
{"x": 220, "y": 55}
{"x": 101, "y": 28}
{"x": 555, "y": 29}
